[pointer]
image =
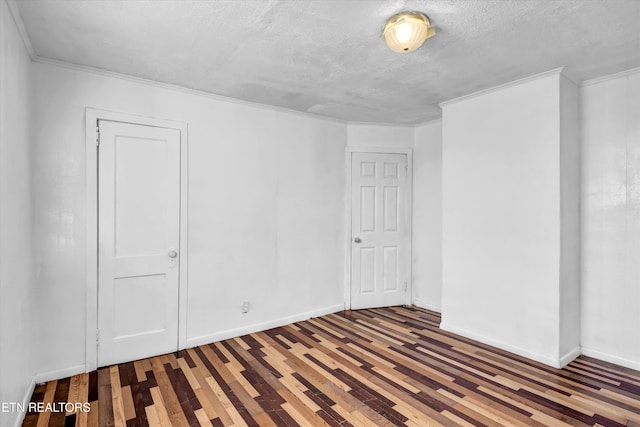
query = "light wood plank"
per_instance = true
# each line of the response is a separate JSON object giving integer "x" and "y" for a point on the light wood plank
{"x": 160, "y": 408}
{"x": 152, "y": 417}
{"x": 119, "y": 418}
{"x": 127, "y": 402}
{"x": 201, "y": 415}
{"x": 43, "y": 418}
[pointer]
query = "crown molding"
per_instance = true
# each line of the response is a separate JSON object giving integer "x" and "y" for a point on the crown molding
{"x": 555, "y": 71}
{"x": 170, "y": 86}
{"x": 602, "y": 79}
{"x": 569, "y": 75}
{"x": 382, "y": 124}
{"x": 17, "y": 19}
{"x": 177, "y": 88}
{"x": 429, "y": 122}
{"x": 396, "y": 125}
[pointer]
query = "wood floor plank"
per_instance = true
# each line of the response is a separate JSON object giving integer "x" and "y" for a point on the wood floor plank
{"x": 105, "y": 399}
{"x": 152, "y": 416}
{"x": 119, "y": 419}
{"x": 229, "y": 408}
{"x": 141, "y": 374}
{"x": 127, "y": 402}
{"x": 188, "y": 374}
{"x": 93, "y": 414}
{"x": 159, "y": 408}
{"x": 201, "y": 415}
{"x": 166, "y": 398}
{"x": 74, "y": 386}
{"x": 219, "y": 381}
{"x": 83, "y": 388}
{"x": 43, "y": 418}
{"x": 209, "y": 400}
{"x": 378, "y": 367}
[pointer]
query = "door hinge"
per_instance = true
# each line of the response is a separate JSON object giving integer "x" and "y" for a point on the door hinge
{"x": 97, "y": 136}
{"x": 97, "y": 337}
{"x": 405, "y": 286}
{"x": 406, "y": 166}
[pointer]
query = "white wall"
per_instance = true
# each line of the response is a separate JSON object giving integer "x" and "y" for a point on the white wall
{"x": 609, "y": 217}
{"x": 266, "y": 208}
{"x": 17, "y": 282}
{"x": 427, "y": 216}
{"x": 611, "y": 220}
{"x": 501, "y": 218}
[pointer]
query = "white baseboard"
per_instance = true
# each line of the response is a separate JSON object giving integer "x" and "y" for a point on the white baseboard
{"x": 263, "y": 326}
{"x": 59, "y": 374}
{"x": 570, "y": 356}
{"x": 326, "y": 310}
{"x": 195, "y": 341}
{"x": 419, "y": 303}
{"x": 25, "y": 401}
{"x": 632, "y": 364}
{"x": 550, "y": 361}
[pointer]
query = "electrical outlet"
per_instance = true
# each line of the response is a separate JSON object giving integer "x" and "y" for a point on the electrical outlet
{"x": 245, "y": 307}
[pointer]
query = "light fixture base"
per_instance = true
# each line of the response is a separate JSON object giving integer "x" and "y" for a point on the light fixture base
{"x": 406, "y": 31}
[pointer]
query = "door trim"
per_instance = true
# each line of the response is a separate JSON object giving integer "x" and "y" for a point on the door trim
{"x": 409, "y": 208}
{"x": 92, "y": 116}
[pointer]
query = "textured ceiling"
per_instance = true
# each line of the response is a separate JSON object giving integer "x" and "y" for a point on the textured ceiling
{"x": 327, "y": 57}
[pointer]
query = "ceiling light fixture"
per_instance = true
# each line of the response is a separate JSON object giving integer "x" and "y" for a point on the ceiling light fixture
{"x": 407, "y": 31}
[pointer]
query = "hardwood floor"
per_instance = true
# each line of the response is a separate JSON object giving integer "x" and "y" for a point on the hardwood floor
{"x": 379, "y": 367}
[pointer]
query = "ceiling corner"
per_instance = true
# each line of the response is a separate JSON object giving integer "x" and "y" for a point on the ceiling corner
{"x": 17, "y": 19}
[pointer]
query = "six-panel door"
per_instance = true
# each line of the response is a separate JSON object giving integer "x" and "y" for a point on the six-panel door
{"x": 379, "y": 230}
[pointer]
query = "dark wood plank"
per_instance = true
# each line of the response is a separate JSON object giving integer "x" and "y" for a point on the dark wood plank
{"x": 105, "y": 403}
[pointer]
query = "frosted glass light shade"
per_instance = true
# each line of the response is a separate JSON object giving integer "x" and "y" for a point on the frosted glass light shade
{"x": 407, "y": 31}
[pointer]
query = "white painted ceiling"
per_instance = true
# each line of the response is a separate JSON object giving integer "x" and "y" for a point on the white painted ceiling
{"x": 327, "y": 57}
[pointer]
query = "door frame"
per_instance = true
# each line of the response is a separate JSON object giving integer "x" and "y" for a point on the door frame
{"x": 92, "y": 116}
{"x": 409, "y": 216}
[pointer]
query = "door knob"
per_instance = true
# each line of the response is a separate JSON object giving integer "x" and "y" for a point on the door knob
{"x": 357, "y": 240}
{"x": 173, "y": 254}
